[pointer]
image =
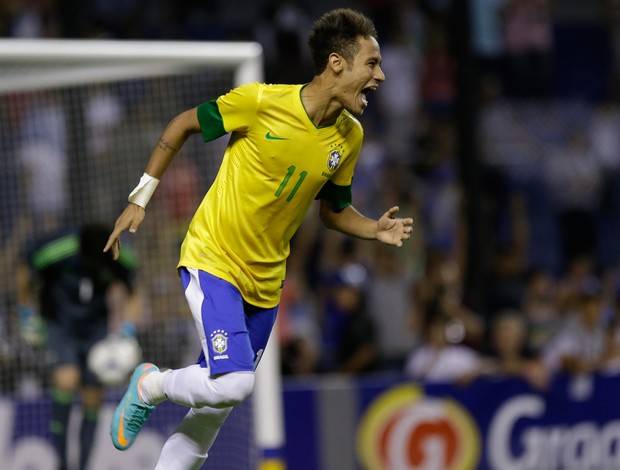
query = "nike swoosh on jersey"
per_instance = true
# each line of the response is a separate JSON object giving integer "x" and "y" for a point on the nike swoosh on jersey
{"x": 273, "y": 137}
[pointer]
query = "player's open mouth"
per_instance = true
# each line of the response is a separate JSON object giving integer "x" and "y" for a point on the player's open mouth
{"x": 365, "y": 93}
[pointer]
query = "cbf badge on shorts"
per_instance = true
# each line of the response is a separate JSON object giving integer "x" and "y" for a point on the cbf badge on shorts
{"x": 219, "y": 343}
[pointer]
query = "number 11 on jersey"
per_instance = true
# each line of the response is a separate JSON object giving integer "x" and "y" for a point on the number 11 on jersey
{"x": 284, "y": 183}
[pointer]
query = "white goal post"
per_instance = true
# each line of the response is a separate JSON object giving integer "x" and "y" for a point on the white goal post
{"x": 79, "y": 62}
{"x": 74, "y": 71}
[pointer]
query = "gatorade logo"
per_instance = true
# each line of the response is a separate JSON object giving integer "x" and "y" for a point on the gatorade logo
{"x": 405, "y": 430}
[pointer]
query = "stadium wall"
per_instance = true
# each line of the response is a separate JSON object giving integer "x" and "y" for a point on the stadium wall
{"x": 386, "y": 423}
{"x": 380, "y": 423}
{"x": 25, "y": 440}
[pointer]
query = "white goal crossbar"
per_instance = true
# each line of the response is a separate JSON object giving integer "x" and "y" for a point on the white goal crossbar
{"x": 79, "y": 62}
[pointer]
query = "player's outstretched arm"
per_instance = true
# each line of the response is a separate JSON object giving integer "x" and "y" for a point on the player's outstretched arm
{"x": 388, "y": 229}
{"x": 169, "y": 144}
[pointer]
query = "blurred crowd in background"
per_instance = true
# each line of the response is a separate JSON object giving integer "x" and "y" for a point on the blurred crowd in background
{"x": 548, "y": 140}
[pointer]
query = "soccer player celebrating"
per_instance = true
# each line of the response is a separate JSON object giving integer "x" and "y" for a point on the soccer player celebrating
{"x": 289, "y": 145}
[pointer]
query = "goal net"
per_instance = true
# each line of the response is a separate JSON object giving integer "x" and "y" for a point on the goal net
{"x": 78, "y": 120}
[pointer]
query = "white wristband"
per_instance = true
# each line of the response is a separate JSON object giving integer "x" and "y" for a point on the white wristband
{"x": 143, "y": 192}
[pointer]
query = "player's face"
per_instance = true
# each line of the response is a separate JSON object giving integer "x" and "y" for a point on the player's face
{"x": 363, "y": 76}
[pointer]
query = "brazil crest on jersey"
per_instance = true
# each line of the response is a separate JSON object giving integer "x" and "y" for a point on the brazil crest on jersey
{"x": 276, "y": 163}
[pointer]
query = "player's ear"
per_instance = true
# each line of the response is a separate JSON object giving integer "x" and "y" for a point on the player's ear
{"x": 336, "y": 62}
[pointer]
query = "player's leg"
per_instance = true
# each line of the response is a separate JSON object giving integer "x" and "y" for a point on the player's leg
{"x": 225, "y": 376}
{"x": 237, "y": 331}
{"x": 65, "y": 380}
{"x": 188, "y": 446}
{"x": 62, "y": 401}
{"x": 92, "y": 397}
{"x": 195, "y": 387}
{"x": 91, "y": 394}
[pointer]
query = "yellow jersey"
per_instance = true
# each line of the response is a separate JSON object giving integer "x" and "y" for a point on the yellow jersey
{"x": 276, "y": 163}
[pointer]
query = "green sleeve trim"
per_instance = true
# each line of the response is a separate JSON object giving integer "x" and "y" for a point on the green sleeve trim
{"x": 339, "y": 196}
{"x": 211, "y": 122}
{"x": 55, "y": 251}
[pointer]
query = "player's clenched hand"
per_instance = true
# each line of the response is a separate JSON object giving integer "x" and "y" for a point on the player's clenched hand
{"x": 393, "y": 230}
{"x": 130, "y": 219}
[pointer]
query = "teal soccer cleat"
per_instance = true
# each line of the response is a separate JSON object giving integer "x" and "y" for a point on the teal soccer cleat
{"x": 131, "y": 413}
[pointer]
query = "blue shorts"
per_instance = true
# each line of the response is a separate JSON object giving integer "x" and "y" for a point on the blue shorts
{"x": 232, "y": 332}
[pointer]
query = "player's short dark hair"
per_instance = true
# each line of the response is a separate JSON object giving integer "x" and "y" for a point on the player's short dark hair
{"x": 337, "y": 31}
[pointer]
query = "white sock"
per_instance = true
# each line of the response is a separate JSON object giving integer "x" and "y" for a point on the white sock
{"x": 193, "y": 387}
{"x": 152, "y": 388}
{"x": 188, "y": 446}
